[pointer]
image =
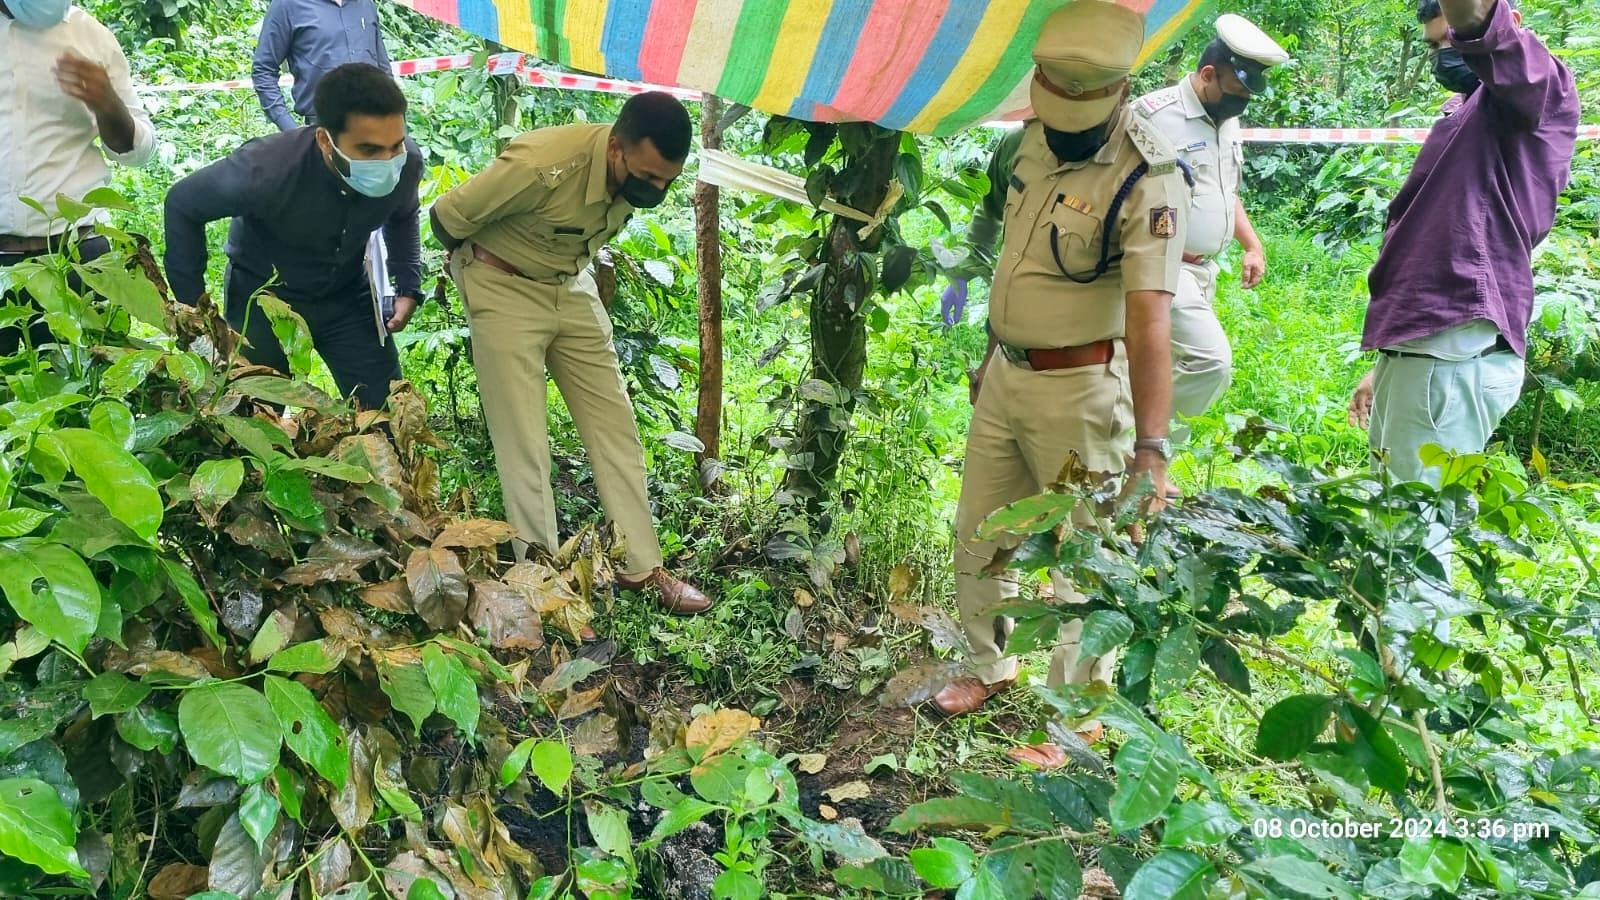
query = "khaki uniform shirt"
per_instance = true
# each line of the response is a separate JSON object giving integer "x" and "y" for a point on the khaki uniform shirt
{"x": 1214, "y": 154}
{"x": 1059, "y": 211}
{"x": 542, "y": 206}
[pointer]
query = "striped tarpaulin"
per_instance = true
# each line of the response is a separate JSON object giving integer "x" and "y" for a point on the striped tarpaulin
{"x": 927, "y": 66}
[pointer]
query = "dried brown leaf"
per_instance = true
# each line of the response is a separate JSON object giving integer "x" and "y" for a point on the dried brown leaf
{"x": 178, "y": 881}
{"x": 475, "y": 533}
{"x": 918, "y": 684}
{"x": 393, "y": 596}
{"x": 438, "y": 586}
{"x": 854, "y": 790}
{"x": 254, "y": 531}
{"x": 944, "y": 633}
{"x": 902, "y": 581}
{"x": 317, "y": 571}
{"x": 542, "y": 586}
{"x": 803, "y": 598}
{"x": 596, "y": 736}
{"x": 812, "y": 763}
{"x": 332, "y": 867}
{"x": 353, "y": 806}
{"x": 718, "y": 731}
{"x": 502, "y": 615}
{"x": 580, "y": 702}
{"x": 827, "y": 812}
{"x": 180, "y": 664}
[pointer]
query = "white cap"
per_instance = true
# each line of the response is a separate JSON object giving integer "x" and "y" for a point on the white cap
{"x": 1253, "y": 51}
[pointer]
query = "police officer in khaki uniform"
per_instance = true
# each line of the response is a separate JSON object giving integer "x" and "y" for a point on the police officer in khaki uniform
{"x": 1093, "y": 237}
{"x": 1200, "y": 117}
{"x": 522, "y": 234}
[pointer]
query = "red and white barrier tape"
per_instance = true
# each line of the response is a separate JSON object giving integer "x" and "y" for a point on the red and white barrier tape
{"x": 517, "y": 64}
{"x": 497, "y": 64}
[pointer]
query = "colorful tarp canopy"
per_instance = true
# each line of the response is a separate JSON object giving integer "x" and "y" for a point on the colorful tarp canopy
{"x": 927, "y": 66}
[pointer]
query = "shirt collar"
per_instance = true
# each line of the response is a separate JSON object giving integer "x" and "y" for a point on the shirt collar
{"x": 599, "y": 165}
{"x": 1192, "y": 106}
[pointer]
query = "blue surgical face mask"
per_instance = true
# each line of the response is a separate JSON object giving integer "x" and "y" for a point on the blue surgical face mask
{"x": 372, "y": 177}
{"x": 39, "y": 14}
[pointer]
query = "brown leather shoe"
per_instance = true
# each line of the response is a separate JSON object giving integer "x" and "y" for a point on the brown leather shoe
{"x": 967, "y": 695}
{"x": 674, "y": 594}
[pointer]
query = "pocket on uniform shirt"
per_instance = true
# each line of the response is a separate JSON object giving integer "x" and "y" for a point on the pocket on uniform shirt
{"x": 560, "y": 239}
{"x": 1073, "y": 238}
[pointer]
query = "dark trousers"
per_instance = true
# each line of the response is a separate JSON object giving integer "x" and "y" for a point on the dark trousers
{"x": 11, "y": 335}
{"x": 342, "y": 329}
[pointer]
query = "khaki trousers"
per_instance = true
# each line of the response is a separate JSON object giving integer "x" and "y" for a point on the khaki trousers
{"x": 520, "y": 330}
{"x": 1202, "y": 360}
{"x": 1022, "y": 429}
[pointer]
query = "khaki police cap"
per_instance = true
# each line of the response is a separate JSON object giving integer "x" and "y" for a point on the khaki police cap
{"x": 1253, "y": 51}
{"x": 1085, "y": 51}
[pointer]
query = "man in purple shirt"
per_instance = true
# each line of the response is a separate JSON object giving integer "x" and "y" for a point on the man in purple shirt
{"x": 1452, "y": 290}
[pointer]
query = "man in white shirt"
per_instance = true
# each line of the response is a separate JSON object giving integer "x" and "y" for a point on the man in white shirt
{"x": 64, "y": 83}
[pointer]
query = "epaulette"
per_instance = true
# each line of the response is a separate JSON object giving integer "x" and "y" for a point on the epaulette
{"x": 552, "y": 176}
{"x": 1154, "y": 147}
{"x": 1155, "y": 101}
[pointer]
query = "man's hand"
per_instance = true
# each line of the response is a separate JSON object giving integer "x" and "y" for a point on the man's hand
{"x": 404, "y": 308}
{"x": 1255, "y": 268}
{"x": 974, "y": 384}
{"x": 87, "y": 81}
{"x": 1361, "y": 402}
{"x": 1147, "y": 463}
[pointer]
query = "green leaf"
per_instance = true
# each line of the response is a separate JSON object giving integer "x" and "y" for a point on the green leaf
{"x": 195, "y": 599}
{"x": 947, "y": 864}
{"x": 285, "y": 392}
{"x": 272, "y": 636}
{"x": 258, "y": 436}
{"x": 258, "y": 813}
{"x": 150, "y": 730}
{"x": 1292, "y": 725}
{"x": 129, "y": 372}
{"x": 408, "y": 691}
{"x": 681, "y": 816}
{"x": 1146, "y": 780}
{"x": 67, "y": 610}
{"x": 150, "y": 432}
{"x": 130, "y": 290}
{"x": 736, "y": 885}
{"x": 395, "y": 793}
{"x": 425, "y": 889}
{"x": 112, "y": 420}
{"x": 1303, "y": 876}
{"x": 190, "y": 370}
{"x": 516, "y": 762}
{"x": 1434, "y": 861}
{"x": 331, "y": 468}
{"x": 15, "y": 523}
{"x": 308, "y": 729}
{"x": 1033, "y": 515}
{"x": 1170, "y": 875}
{"x": 1375, "y": 750}
{"x": 949, "y": 812}
{"x": 217, "y": 481}
{"x": 1057, "y": 869}
{"x": 291, "y": 790}
{"x": 1176, "y": 661}
{"x": 552, "y": 765}
{"x": 36, "y": 828}
{"x": 1199, "y": 824}
{"x": 113, "y": 476}
{"x": 230, "y": 729}
{"x": 1104, "y": 630}
{"x": 317, "y": 657}
{"x": 289, "y": 492}
{"x": 453, "y": 689}
{"x": 108, "y": 198}
{"x": 113, "y": 692}
{"x": 609, "y": 826}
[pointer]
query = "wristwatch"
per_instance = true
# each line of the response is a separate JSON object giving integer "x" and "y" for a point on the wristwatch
{"x": 1160, "y": 446}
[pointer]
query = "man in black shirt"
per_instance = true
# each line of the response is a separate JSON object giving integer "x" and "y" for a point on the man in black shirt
{"x": 303, "y": 204}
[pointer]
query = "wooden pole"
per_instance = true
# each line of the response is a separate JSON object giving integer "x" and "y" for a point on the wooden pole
{"x": 708, "y": 261}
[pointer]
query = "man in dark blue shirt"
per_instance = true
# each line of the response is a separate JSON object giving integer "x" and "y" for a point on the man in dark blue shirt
{"x": 314, "y": 37}
{"x": 303, "y": 204}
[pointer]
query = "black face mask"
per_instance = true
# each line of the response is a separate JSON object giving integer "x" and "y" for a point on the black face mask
{"x": 1076, "y": 146}
{"x": 1228, "y": 106}
{"x": 641, "y": 194}
{"x": 1450, "y": 69}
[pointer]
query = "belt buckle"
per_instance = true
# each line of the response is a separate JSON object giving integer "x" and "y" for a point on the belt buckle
{"x": 1016, "y": 355}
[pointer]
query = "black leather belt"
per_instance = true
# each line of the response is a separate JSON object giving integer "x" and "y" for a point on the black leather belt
{"x": 1500, "y": 345}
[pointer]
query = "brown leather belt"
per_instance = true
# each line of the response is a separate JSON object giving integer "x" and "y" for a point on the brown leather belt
{"x": 489, "y": 259}
{"x": 13, "y": 244}
{"x": 1195, "y": 259}
{"x": 1095, "y": 354}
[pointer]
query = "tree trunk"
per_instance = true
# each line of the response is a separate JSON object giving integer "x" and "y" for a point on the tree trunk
{"x": 838, "y": 314}
{"x": 708, "y": 262}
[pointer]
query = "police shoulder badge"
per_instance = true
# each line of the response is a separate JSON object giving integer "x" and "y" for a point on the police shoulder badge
{"x": 1164, "y": 222}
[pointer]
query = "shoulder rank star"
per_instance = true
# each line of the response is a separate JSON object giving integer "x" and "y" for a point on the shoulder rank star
{"x": 1164, "y": 222}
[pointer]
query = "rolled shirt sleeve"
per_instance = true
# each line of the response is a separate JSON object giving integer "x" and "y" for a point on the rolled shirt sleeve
{"x": 1517, "y": 70}
{"x": 144, "y": 132}
{"x": 1151, "y": 256}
